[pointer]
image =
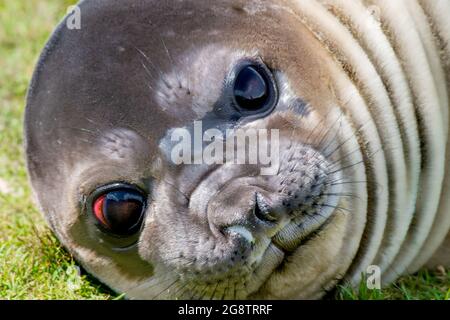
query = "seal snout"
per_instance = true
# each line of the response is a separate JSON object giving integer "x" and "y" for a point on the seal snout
{"x": 248, "y": 211}
{"x": 260, "y": 217}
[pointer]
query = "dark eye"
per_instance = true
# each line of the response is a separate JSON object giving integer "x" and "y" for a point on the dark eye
{"x": 254, "y": 89}
{"x": 119, "y": 209}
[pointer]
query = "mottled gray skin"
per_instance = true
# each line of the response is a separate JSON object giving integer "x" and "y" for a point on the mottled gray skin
{"x": 101, "y": 106}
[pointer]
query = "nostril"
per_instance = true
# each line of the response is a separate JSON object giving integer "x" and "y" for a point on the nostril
{"x": 261, "y": 210}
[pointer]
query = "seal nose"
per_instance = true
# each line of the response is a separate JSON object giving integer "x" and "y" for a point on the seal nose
{"x": 262, "y": 210}
{"x": 244, "y": 207}
{"x": 259, "y": 218}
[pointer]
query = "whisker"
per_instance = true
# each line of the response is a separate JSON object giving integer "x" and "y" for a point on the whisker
{"x": 195, "y": 292}
{"x": 151, "y": 64}
{"x": 335, "y": 207}
{"x": 345, "y": 156}
{"x": 319, "y": 145}
{"x": 186, "y": 285}
{"x": 94, "y": 123}
{"x": 334, "y": 137}
{"x": 148, "y": 72}
{"x": 313, "y": 130}
{"x": 214, "y": 291}
{"x": 342, "y": 195}
{"x": 183, "y": 264}
{"x": 165, "y": 289}
{"x": 346, "y": 167}
{"x": 188, "y": 288}
{"x": 85, "y": 130}
{"x": 170, "y": 60}
{"x": 347, "y": 139}
{"x": 354, "y": 164}
{"x": 347, "y": 182}
{"x": 204, "y": 290}
{"x": 152, "y": 282}
{"x": 175, "y": 188}
{"x": 226, "y": 289}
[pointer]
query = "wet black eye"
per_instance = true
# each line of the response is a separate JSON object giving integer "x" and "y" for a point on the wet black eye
{"x": 119, "y": 209}
{"x": 250, "y": 89}
{"x": 254, "y": 90}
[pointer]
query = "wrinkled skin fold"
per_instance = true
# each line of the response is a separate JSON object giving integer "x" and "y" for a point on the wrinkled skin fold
{"x": 362, "y": 115}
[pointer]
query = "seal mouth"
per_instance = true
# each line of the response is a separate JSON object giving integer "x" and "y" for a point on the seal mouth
{"x": 310, "y": 228}
{"x": 241, "y": 231}
{"x": 301, "y": 227}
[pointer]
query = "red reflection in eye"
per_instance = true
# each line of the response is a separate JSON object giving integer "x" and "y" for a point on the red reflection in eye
{"x": 98, "y": 210}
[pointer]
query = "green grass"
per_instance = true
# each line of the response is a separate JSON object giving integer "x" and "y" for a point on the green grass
{"x": 424, "y": 285}
{"x": 32, "y": 263}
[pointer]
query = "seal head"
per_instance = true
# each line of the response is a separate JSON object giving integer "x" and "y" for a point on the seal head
{"x": 104, "y": 107}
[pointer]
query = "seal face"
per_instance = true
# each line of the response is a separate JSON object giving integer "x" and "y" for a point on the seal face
{"x": 198, "y": 150}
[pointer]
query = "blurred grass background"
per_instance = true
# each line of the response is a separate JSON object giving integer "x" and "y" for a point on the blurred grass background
{"x": 32, "y": 263}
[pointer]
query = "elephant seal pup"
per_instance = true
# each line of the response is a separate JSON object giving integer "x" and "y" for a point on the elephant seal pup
{"x": 353, "y": 95}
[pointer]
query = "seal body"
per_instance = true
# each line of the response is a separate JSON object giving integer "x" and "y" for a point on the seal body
{"x": 355, "y": 93}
